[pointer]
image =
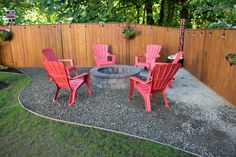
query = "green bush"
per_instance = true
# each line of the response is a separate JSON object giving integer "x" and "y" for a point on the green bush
{"x": 219, "y": 24}
{"x": 5, "y": 35}
{"x": 129, "y": 32}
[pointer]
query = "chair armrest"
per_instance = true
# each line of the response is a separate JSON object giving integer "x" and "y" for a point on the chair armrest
{"x": 71, "y": 68}
{"x": 142, "y": 56}
{"x": 67, "y": 60}
{"x": 139, "y": 80}
{"x": 111, "y": 55}
{"x": 161, "y": 63}
{"x": 79, "y": 76}
{"x": 137, "y": 58}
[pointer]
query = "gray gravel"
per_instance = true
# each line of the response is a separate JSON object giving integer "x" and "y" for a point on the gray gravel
{"x": 198, "y": 121}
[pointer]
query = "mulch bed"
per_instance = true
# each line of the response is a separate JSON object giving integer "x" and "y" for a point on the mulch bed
{"x": 3, "y": 84}
{"x": 14, "y": 70}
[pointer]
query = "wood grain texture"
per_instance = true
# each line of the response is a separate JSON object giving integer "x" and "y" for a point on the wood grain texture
{"x": 75, "y": 41}
{"x": 6, "y": 58}
{"x": 204, "y": 55}
{"x": 29, "y": 41}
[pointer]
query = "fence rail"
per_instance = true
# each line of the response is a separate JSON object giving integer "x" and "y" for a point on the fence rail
{"x": 204, "y": 50}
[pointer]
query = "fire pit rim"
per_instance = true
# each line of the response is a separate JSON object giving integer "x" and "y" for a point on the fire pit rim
{"x": 135, "y": 70}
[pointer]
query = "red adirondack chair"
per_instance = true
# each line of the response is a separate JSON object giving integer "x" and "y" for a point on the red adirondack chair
{"x": 50, "y": 55}
{"x": 57, "y": 71}
{"x": 157, "y": 81}
{"x": 101, "y": 55}
{"x": 176, "y": 60}
{"x": 153, "y": 52}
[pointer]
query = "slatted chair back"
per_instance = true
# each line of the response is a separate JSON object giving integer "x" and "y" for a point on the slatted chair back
{"x": 57, "y": 71}
{"x": 49, "y": 54}
{"x": 162, "y": 75}
{"x": 178, "y": 56}
{"x": 100, "y": 51}
{"x": 152, "y": 52}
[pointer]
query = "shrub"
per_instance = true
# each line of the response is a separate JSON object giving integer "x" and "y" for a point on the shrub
{"x": 129, "y": 32}
{"x": 5, "y": 35}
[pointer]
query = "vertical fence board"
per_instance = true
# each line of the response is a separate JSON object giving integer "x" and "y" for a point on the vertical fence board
{"x": 204, "y": 54}
{"x": 160, "y": 39}
{"x": 5, "y": 51}
{"x": 28, "y": 42}
{"x": 6, "y": 54}
{"x": 193, "y": 51}
{"x": 172, "y": 39}
{"x": 90, "y": 33}
{"x": 229, "y": 73}
{"x": 73, "y": 39}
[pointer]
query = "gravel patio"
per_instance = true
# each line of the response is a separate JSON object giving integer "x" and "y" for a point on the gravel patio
{"x": 198, "y": 121}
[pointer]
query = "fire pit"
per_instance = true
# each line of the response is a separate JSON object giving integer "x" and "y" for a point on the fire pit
{"x": 113, "y": 76}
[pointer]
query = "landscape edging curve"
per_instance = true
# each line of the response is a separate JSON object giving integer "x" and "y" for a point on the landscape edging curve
{"x": 91, "y": 126}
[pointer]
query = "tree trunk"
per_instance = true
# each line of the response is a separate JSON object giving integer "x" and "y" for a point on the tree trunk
{"x": 138, "y": 14}
{"x": 149, "y": 12}
{"x": 160, "y": 21}
{"x": 184, "y": 11}
{"x": 171, "y": 10}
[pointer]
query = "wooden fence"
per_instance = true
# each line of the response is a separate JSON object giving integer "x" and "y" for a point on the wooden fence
{"x": 204, "y": 57}
{"x": 204, "y": 50}
{"x": 75, "y": 41}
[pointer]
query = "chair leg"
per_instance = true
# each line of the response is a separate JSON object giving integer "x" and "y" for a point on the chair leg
{"x": 114, "y": 60}
{"x": 165, "y": 99}
{"x": 72, "y": 97}
{"x": 57, "y": 90}
{"x": 131, "y": 89}
{"x": 170, "y": 85}
{"x": 147, "y": 103}
{"x": 86, "y": 80}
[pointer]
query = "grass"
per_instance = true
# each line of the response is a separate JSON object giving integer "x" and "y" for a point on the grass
{"x": 24, "y": 134}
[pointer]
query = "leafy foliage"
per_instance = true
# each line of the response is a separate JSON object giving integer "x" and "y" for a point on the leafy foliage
{"x": 198, "y": 13}
{"x": 214, "y": 13}
{"x": 129, "y": 32}
{"x": 5, "y": 34}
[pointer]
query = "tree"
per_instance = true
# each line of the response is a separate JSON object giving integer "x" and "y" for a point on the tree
{"x": 198, "y": 13}
{"x": 209, "y": 13}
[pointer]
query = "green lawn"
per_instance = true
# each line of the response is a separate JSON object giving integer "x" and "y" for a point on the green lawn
{"x": 26, "y": 135}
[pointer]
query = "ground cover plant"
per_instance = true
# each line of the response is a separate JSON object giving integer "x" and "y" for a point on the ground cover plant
{"x": 24, "y": 134}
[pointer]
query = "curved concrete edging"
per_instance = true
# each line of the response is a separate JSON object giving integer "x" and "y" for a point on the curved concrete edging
{"x": 95, "y": 127}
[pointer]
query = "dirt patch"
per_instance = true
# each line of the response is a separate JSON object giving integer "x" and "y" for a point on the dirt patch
{"x": 3, "y": 85}
{"x": 14, "y": 70}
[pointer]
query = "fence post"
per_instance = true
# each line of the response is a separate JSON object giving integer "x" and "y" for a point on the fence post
{"x": 181, "y": 35}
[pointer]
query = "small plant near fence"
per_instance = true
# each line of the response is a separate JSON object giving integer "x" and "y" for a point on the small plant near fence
{"x": 5, "y": 35}
{"x": 129, "y": 32}
{"x": 231, "y": 58}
